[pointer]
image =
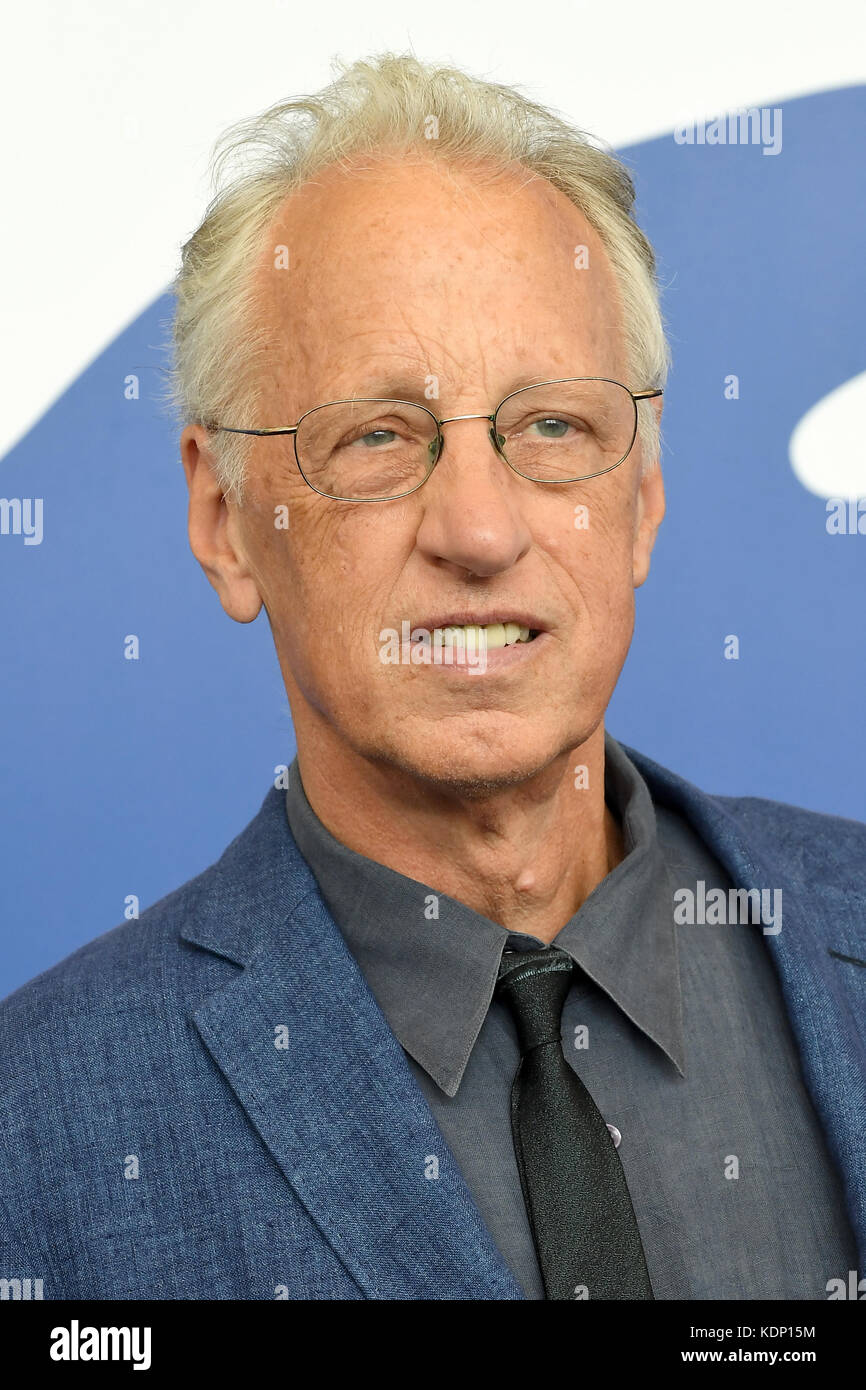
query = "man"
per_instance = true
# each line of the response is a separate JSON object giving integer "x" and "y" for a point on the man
{"x": 481, "y": 1005}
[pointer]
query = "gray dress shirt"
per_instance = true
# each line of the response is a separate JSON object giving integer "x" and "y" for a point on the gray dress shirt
{"x": 679, "y": 1032}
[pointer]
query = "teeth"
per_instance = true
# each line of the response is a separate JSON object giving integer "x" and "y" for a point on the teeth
{"x": 495, "y": 635}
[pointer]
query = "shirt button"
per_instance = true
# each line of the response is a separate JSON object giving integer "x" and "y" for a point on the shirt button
{"x": 615, "y": 1136}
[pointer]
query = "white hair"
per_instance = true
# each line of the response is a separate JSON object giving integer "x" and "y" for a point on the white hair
{"x": 386, "y": 103}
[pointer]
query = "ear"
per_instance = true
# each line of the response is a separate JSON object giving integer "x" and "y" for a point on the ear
{"x": 214, "y": 533}
{"x": 650, "y": 509}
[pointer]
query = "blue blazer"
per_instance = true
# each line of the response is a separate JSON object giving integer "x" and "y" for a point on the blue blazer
{"x": 207, "y": 1103}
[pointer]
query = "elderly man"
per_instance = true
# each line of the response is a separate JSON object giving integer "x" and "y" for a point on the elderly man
{"x": 481, "y": 1005}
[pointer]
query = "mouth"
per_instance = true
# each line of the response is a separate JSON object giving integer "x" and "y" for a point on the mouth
{"x": 484, "y": 636}
{"x": 507, "y": 630}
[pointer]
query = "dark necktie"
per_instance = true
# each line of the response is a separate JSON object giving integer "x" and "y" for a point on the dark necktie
{"x": 578, "y": 1204}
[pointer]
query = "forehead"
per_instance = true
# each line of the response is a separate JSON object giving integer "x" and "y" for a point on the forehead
{"x": 432, "y": 263}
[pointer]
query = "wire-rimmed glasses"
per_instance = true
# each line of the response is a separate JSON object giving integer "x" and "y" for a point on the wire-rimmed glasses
{"x": 377, "y": 449}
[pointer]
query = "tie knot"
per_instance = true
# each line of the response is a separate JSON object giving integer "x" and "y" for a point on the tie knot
{"x": 534, "y": 985}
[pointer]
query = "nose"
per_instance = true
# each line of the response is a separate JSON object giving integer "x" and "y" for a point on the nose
{"x": 474, "y": 504}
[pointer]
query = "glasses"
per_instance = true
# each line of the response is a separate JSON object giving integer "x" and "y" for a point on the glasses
{"x": 376, "y": 449}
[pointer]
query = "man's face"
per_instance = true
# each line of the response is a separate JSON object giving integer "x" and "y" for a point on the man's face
{"x": 420, "y": 271}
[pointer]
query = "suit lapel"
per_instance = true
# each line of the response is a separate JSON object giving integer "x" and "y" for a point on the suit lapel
{"x": 341, "y": 1112}
{"x": 310, "y": 1057}
{"x": 825, "y": 995}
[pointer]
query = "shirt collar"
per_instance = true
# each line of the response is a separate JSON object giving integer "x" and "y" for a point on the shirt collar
{"x": 432, "y": 962}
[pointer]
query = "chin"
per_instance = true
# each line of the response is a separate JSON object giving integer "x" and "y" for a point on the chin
{"x": 480, "y": 763}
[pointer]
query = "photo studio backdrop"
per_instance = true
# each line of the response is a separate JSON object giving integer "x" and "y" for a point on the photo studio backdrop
{"x": 123, "y": 778}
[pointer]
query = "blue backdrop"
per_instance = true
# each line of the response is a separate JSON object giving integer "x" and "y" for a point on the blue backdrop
{"x": 128, "y": 777}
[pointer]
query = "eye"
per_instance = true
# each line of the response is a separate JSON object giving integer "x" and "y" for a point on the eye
{"x": 374, "y": 437}
{"x": 551, "y": 427}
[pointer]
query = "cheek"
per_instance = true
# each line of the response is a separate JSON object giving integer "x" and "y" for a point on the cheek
{"x": 330, "y": 579}
{"x": 590, "y": 541}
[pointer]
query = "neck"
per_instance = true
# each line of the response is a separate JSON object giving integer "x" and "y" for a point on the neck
{"x": 527, "y": 856}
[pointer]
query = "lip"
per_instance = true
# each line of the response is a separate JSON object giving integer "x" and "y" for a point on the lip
{"x": 493, "y": 661}
{"x": 462, "y": 617}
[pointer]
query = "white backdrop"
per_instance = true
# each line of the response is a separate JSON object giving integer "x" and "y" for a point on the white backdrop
{"x": 110, "y": 108}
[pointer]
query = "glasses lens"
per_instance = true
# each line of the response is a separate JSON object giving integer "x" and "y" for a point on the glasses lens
{"x": 366, "y": 449}
{"x": 567, "y": 430}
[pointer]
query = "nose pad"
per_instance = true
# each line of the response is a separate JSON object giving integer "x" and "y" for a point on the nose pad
{"x": 435, "y": 447}
{"x": 498, "y": 441}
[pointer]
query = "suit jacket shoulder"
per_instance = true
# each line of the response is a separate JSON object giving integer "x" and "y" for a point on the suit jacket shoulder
{"x": 207, "y": 1102}
{"x": 811, "y": 846}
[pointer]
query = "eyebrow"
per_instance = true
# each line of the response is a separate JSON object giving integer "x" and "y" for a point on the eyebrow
{"x": 405, "y": 386}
